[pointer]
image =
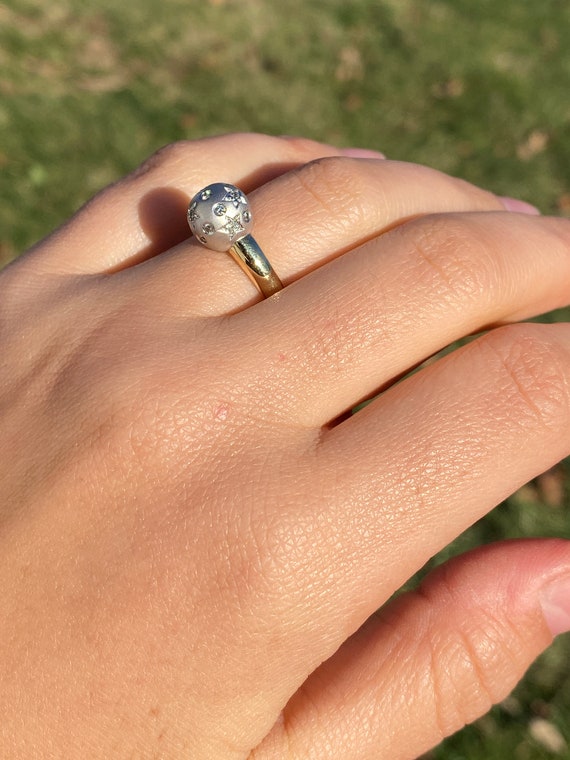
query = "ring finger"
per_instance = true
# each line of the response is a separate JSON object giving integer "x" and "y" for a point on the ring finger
{"x": 145, "y": 213}
{"x": 305, "y": 218}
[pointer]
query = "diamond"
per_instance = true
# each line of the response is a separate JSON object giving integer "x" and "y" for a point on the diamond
{"x": 193, "y": 214}
{"x": 219, "y": 209}
{"x": 233, "y": 226}
{"x": 234, "y": 195}
{"x": 208, "y": 229}
{"x": 205, "y": 194}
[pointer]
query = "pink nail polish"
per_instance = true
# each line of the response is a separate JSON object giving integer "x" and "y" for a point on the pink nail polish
{"x": 361, "y": 153}
{"x": 520, "y": 207}
{"x": 555, "y": 603}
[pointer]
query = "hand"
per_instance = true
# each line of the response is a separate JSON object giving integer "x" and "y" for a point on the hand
{"x": 196, "y": 536}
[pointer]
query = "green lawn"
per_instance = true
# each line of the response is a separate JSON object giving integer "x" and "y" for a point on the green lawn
{"x": 473, "y": 87}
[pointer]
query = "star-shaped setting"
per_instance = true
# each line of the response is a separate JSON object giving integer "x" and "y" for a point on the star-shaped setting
{"x": 233, "y": 226}
{"x": 235, "y": 196}
{"x": 193, "y": 214}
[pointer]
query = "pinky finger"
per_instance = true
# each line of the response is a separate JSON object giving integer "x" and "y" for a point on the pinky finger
{"x": 432, "y": 660}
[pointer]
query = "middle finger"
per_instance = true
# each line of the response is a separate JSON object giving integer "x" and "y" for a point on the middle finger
{"x": 342, "y": 333}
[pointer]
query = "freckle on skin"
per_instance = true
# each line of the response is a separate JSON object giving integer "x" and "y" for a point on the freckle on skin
{"x": 222, "y": 412}
{"x": 282, "y": 357}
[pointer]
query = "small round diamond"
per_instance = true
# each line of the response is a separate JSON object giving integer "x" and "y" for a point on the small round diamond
{"x": 208, "y": 229}
{"x": 219, "y": 209}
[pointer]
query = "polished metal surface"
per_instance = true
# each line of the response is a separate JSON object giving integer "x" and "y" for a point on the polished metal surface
{"x": 220, "y": 217}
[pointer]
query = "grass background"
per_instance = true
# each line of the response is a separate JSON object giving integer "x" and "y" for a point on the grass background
{"x": 473, "y": 87}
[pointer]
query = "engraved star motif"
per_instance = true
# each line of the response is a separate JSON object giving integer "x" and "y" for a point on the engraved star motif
{"x": 193, "y": 215}
{"x": 233, "y": 226}
{"x": 235, "y": 196}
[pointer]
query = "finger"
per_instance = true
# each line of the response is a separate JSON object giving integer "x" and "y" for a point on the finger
{"x": 398, "y": 481}
{"x": 145, "y": 213}
{"x": 436, "y": 452}
{"x": 304, "y": 219}
{"x": 365, "y": 319}
{"x": 432, "y": 660}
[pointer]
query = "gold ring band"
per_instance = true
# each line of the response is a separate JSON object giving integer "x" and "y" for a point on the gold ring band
{"x": 247, "y": 253}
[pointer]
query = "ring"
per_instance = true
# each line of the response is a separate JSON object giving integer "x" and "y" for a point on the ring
{"x": 220, "y": 217}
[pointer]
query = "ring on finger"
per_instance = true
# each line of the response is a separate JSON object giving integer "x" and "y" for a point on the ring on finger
{"x": 220, "y": 217}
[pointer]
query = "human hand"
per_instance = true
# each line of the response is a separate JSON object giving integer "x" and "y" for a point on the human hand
{"x": 194, "y": 536}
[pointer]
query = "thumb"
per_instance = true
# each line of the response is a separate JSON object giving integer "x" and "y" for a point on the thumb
{"x": 433, "y": 659}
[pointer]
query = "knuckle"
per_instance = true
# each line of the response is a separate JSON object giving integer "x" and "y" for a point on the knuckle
{"x": 325, "y": 181}
{"x": 472, "y": 660}
{"x": 469, "y": 674}
{"x": 534, "y": 369}
{"x": 166, "y": 156}
{"x": 450, "y": 253}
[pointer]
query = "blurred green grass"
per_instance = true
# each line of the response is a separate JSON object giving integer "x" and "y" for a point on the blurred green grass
{"x": 475, "y": 88}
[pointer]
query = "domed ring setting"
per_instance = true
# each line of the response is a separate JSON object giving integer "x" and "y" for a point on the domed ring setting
{"x": 220, "y": 217}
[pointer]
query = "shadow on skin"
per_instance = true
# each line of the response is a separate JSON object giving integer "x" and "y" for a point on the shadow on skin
{"x": 162, "y": 211}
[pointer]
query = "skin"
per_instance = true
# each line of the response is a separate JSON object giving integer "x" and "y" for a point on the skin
{"x": 196, "y": 536}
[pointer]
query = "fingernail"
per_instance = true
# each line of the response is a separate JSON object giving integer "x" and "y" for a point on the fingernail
{"x": 520, "y": 207}
{"x": 555, "y": 603}
{"x": 361, "y": 153}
